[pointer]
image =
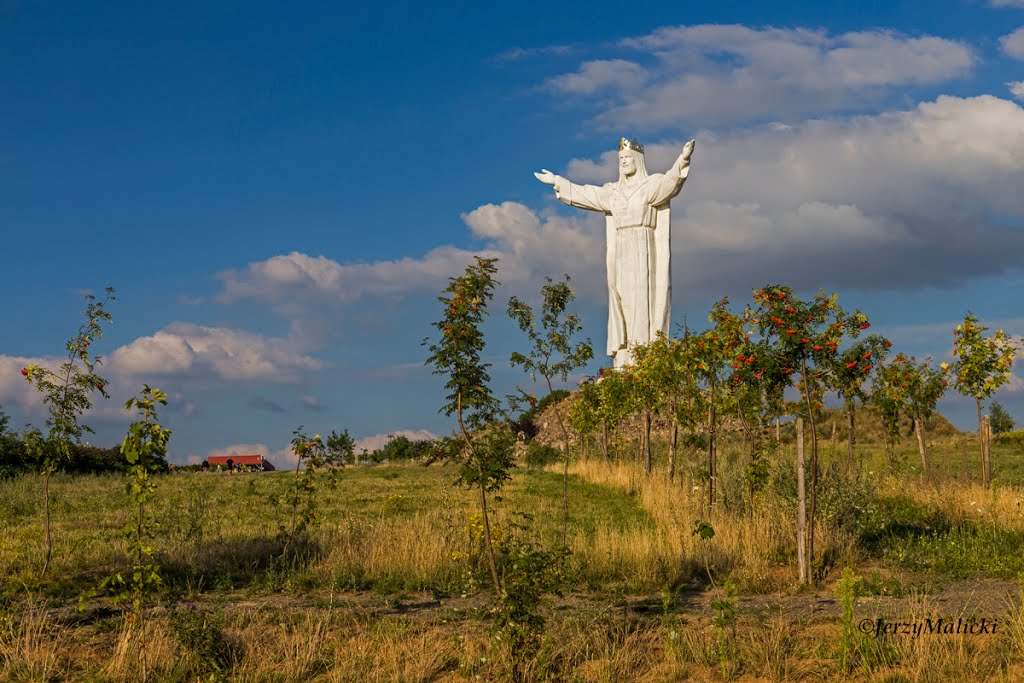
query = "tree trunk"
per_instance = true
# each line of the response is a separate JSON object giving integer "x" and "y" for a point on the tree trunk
{"x": 711, "y": 448}
{"x": 46, "y": 507}
{"x": 851, "y": 439}
{"x": 987, "y": 450}
{"x": 890, "y": 447}
{"x": 648, "y": 460}
{"x": 483, "y": 498}
{"x": 981, "y": 445}
{"x": 565, "y": 469}
{"x": 604, "y": 440}
{"x": 814, "y": 469}
{"x": 919, "y": 430}
{"x": 801, "y": 514}
{"x": 672, "y": 445}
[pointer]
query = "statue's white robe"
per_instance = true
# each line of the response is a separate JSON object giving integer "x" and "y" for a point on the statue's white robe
{"x": 638, "y": 253}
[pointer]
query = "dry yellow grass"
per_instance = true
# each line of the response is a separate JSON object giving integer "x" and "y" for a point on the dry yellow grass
{"x": 404, "y": 529}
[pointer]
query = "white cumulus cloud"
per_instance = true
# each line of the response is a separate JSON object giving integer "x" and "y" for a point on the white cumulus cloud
{"x": 186, "y": 349}
{"x": 530, "y": 245}
{"x": 1013, "y": 44}
{"x": 908, "y": 198}
{"x": 180, "y": 352}
{"x": 923, "y": 196}
{"x": 280, "y": 279}
{"x": 599, "y": 74}
{"x": 713, "y": 73}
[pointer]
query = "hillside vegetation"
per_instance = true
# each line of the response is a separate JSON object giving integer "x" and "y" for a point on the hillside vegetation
{"x": 386, "y": 586}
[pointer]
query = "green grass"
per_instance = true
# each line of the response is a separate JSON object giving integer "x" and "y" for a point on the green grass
{"x": 959, "y": 552}
{"x": 396, "y": 532}
{"x": 591, "y": 506}
{"x": 220, "y": 531}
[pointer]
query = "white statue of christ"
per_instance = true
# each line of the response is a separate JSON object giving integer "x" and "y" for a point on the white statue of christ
{"x": 639, "y": 243}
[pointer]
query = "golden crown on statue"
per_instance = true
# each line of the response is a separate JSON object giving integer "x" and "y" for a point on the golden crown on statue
{"x": 630, "y": 144}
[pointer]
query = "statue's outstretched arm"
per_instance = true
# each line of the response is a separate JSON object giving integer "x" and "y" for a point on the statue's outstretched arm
{"x": 546, "y": 176}
{"x": 683, "y": 161}
{"x": 673, "y": 179}
{"x": 581, "y": 196}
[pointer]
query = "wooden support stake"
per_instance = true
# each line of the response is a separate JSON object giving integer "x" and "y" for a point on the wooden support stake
{"x": 801, "y": 517}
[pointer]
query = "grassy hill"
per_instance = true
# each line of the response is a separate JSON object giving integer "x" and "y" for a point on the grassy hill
{"x": 391, "y": 584}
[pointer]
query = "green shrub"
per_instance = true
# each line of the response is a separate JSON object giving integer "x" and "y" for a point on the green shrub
{"x": 200, "y": 634}
{"x": 1010, "y": 438}
{"x": 889, "y": 518}
{"x": 539, "y": 456}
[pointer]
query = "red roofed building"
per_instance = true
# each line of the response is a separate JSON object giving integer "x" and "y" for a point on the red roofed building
{"x": 254, "y": 462}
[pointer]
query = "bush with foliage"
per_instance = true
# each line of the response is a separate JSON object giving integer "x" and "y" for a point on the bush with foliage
{"x": 1000, "y": 419}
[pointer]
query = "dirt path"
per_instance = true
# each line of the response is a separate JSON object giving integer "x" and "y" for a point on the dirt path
{"x": 969, "y": 597}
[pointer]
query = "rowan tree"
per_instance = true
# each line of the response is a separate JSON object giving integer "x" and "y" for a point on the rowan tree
{"x": 487, "y": 454}
{"x": 669, "y": 366}
{"x": 982, "y": 365}
{"x": 889, "y": 398}
{"x": 714, "y": 348}
{"x": 925, "y": 386}
{"x": 67, "y": 394}
{"x": 583, "y": 413}
{"x": 648, "y": 385}
{"x": 805, "y": 338}
{"x": 846, "y": 376}
{"x": 614, "y": 405}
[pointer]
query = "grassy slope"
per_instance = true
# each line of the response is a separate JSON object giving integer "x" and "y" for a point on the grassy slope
{"x": 403, "y": 530}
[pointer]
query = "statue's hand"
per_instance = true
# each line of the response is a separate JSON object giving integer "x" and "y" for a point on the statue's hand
{"x": 684, "y": 158}
{"x": 546, "y": 176}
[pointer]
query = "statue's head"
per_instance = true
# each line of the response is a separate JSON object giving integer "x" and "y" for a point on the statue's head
{"x": 631, "y": 159}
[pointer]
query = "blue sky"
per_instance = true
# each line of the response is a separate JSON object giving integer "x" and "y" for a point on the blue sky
{"x": 278, "y": 193}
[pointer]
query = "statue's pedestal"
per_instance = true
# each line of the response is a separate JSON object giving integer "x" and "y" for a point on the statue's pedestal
{"x": 623, "y": 357}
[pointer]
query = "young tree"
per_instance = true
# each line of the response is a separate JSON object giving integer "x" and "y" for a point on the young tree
{"x": 714, "y": 349}
{"x": 67, "y": 394}
{"x": 583, "y": 413}
{"x": 486, "y": 456}
{"x": 983, "y": 364}
{"x": 614, "y": 404}
{"x": 315, "y": 461}
{"x": 145, "y": 450}
{"x": 925, "y": 385}
{"x": 1000, "y": 418}
{"x": 757, "y": 383}
{"x": 846, "y": 376}
{"x": 553, "y": 355}
{"x": 805, "y": 337}
{"x": 647, "y": 391}
{"x": 890, "y": 398}
{"x": 668, "y": 367}
{"x": 340, "y": 448}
